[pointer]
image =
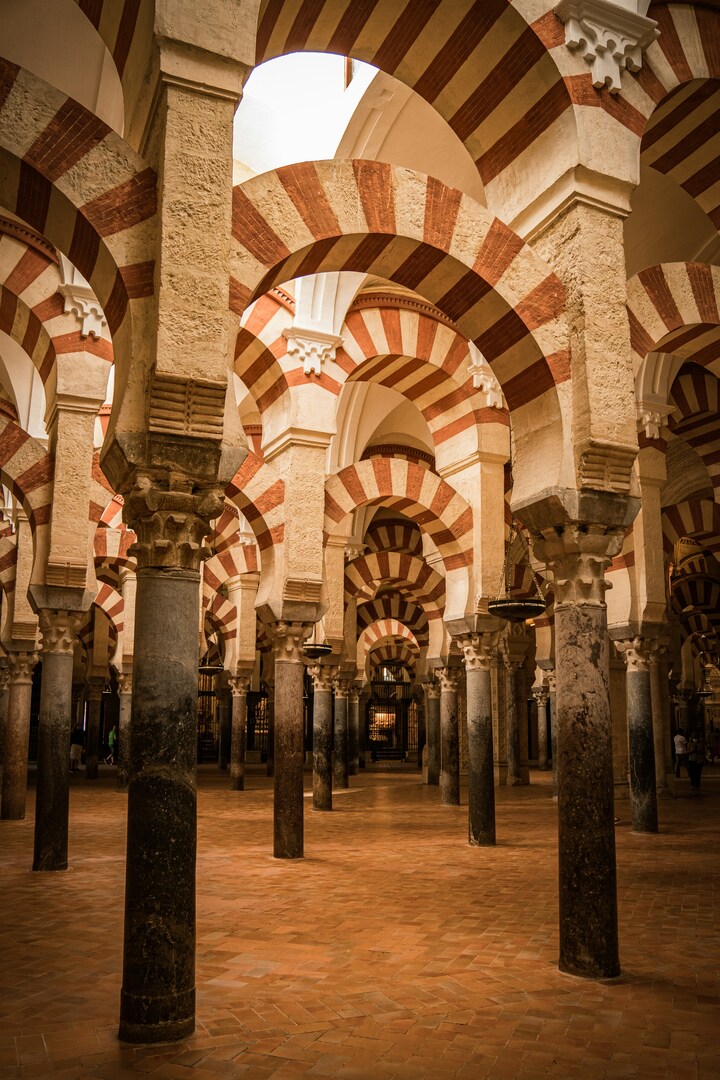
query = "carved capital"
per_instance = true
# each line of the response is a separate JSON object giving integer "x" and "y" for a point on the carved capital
{"x": 652, "y": 418}
{"x": 322, "y": 677}
{"x": 4, "y": 677}
{"x": 480, "y": 651}
{"x": 21, "y": 666}
{"x": 311, "y": 347}
{"x": 541, "y": 695}
{"x": 124, "y": 681}
{"x": 288, "y": 640}
{"x": 608, "y": 36}
{"x": 449, "y": 679}
{"x": 342, "y": 687}
{"x": 170, "y": 523}
{"x": 59, "y": 630}
{"x": 578, "y": 555}
{"x": 239, "y": 685}
{"x": 551, "y": 680}
{"x": 81, "y": 301}
{"x": 483, "y": 379}
{"x": 637, "y": 652}
{"x": 433, "y": 690}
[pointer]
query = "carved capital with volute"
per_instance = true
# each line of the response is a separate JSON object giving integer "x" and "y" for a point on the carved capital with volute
{"x": 449, "y": 679}
{"x": 541, "y": 695}
{"x": 323, "y": 676}
{"x": 239, "y": 685}
{"x": 480, "y": 651}
{"x": 21, "y": 666}
{"x": 124, "y": 681}
{"x": 288, "y": 639}
{"x": 170, "y": 522}
{"x": 59, "y": 630}
{"x": 432, "y": 690}
{"x": 578, "y": 556}
{"x": 637, "y": 652}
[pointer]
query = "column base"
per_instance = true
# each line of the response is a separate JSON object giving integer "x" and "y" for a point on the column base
{"x": 589, "y": 972}
{"x": 41, "y": 866}
{"x": 156, "y": 1020}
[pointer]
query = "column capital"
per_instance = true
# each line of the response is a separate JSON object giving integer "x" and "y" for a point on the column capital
{"x": 341, "y": 686}
{"x": 637, "y": 651}
{"x": 4, "y": 676}
{"x": 288, "y": 639}
{"x": 551, "y": 679}
{"x": 449, "y": 679}
{"x": 124, "y": 681}
{"x": 433, "y": 690}
{"x": 170, "y": 521}
{"x": 480, "y": 651}
{"x": 541, "y": 694}
{"x": 608, "y": 35}
{"x": 323, "y": 676}
{"x": 96, "y": 688}
{"x": 21, "y": 666}
{"x": 239, "y": 685}
{"x": 578, "y": 555}
{"x": 59, "y": 630}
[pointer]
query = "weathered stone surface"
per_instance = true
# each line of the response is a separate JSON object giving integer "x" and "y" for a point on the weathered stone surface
{"x": 450, "y": 738}
{"x": 433, "y": 734}
{"x": 17, "y": 732}
{"x": 354, "y": 733}
{"x": 340, "y": 736}
{"x": 480, "y": 654}
{"x": 239, "y": 687}
{"x": 636, "y": 652}
{"x": 124, "y": 728}
{"x": 288, "y": 839}
{"x": 541, "y": 701}
{"x": 322, "y": 739}
{"x": 92, "y": 732}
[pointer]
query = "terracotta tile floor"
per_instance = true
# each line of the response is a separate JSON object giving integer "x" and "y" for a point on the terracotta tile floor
{"x": 393, "y": 950}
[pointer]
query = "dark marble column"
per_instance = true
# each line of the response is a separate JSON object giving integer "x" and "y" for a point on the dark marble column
{"x": 636, "y": 652}
{"x": 552, "y": 705}
{"x": 433, "y": 733}
{"x": 4, "y": 703}
{"x": 354, "y": 732}
{"x": 661, "y": 737}
{"x": 17, "y": 734}
{"x": 270, "y": 760}
{"x": 289, "y": 739}
{"x": 541, "y": 701}
{"x": 322, "y": 736}
{"x": 59, "y": 633}
{"x": 95, "y": 689}
{"x": 362, "y": 729}
{"x": 123, "y": 756}
{"x": 449, "y": 737}
{"x": 157, "y": 1001}
{"x": 578, "y": 556}
{"x": 224, "y": 707}
{"x": 340, "y": 737}
{"x": 480, "y": 654}
{"x": 239, "y": 686}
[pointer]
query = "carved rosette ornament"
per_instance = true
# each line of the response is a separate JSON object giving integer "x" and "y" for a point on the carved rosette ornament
{"x": 21, "y": 666}
{"x": 449, "y": 679}
{"x": 578, "y": 556}
{"x": 480, "y": 651}
{"x": 288, "y": 640}
{"x": 59, "y": 630}
{"x": 170, "y": 524}
{"x": 239, "y": 685}
{"x": 637, "y": 652}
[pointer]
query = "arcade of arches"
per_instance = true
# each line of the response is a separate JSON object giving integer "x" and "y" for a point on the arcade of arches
{"x": 242, "y": 411}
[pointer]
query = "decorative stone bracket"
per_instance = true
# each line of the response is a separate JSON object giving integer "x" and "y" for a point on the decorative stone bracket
{"x": 609, "y": 37}
{"x": 652, "y": 418}
{"x": 312, "y": 347}
{"x": 81, "y": 301}
{"x": 484, "y": 380}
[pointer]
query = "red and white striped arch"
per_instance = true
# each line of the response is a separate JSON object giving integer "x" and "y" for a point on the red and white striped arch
{"x": 699, "y": 518}
{"x": 696, "y": 397}
{"x": 260, "y": 346}
{"x": 382, "y": 634}
{"x": 390, "y": 653}
{"x": 409, "y": 574}
{"x": 112, "y": 546}
{"x": 675, "y": 307}
{"x": 383, "y": 534}
{"x": 27, "y": 470}
{"x": 8, "y": 563}
{"x": 394, "y": 606}
{"x": 75, "y": 181}
{"x": 375, "y": 218}
{"x": 487, "y": 70}
{"x": 126, "y": 27}
{"x": 32, "y": 311}
{"x": 227, "y": 564}
{"x": 112, "y": 604}
{"x": 221, "y": 615}
{"x": 259, "y": 493}
{"x": 678, "y": 87}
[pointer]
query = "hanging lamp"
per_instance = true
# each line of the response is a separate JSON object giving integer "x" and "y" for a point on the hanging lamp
{"x": 516, "y": 609}
{"x": 313, "y": 649}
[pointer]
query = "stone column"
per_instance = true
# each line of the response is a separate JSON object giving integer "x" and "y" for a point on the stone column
{"x": 239, "y": 686}
{"x": 4, "y": 702}
{"x": 541, "y": 701}
{"x": 270, "y": 759}
{"x": 158, "y": 992}
{"x": 578, "y": 555}
{"x": 322, "y": 737}
{"x": 433, "y": 733}
{"x": 636, "y": 652}
{"x": 354, "y": 732}
{"x": 661, "y": 737}
{"x": 17, "y": 734}
{"x": 92, "y": 733}
{"x": 449, "y": 737}
{"x": 340, "y": 739}
{"x": 480, "y": 654}
{"x": 289, "y": 739}
{"x": 124, "y": 680}
{"x": 551, "y": 680}
{"x": 224, "y": 724}
{"x": 512, "y": 723}
{"x": 422, "y": 731}
{"x": 59, "y": 633}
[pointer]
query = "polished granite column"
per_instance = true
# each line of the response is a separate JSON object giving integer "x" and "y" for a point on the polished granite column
{"x": 449, "y": 737}
{"x": 157, "y": 1001}
{"x": 124, "y": 681}
{"x": 636, "y": 652}
{"x": 17, "y": 734}
{"x": 541, "y": 702}
{"x": 239, "y": 687}
{"x": 433, "y": 733}
{"x": 353, "y": 731}
{"x": 322, "y": 736}
{"x": 58, "y": 630}
{"x": 480, "y": 656}
{"x": 340, "y": 734}
{"x": 288, "y": 831}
